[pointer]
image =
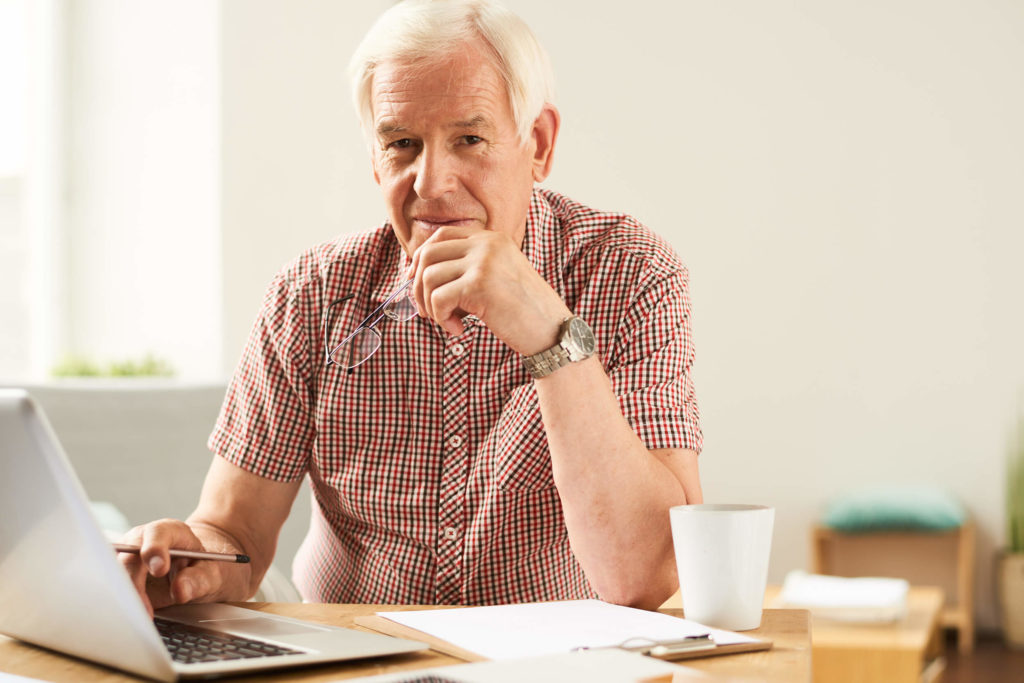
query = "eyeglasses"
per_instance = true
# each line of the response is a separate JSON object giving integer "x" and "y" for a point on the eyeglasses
{"x": 357, "y": 347}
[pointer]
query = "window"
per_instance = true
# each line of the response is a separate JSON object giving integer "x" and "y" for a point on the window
{"x": 19, "y": 64}
{"x": 109, "y": 185}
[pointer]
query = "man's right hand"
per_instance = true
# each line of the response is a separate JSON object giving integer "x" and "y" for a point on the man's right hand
{"x": 239, "y": 513}
{"x": 162, "y": 580}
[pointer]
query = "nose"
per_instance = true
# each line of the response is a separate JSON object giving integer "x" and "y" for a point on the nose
{"x": 435, "y": 174}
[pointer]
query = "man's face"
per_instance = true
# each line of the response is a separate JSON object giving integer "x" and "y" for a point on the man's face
{"x": 445, "y": 150}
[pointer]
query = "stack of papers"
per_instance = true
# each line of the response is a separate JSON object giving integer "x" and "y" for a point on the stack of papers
{"x": 504, "y": 632}
{"x": 867, "y": 599}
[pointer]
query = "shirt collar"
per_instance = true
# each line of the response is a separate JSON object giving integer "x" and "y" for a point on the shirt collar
{"x": 542, "y": 244}
{"x": 393, "y": 264}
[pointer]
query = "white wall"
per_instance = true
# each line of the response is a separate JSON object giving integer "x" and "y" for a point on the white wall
{"x": 143, "y": 182}
{"x": 843, "y": 180}
{"x": 850, "y": 175}
{"x": 295, "y": 169}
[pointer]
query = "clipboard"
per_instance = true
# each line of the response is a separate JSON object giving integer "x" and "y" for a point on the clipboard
{"x": 670, "y": 650}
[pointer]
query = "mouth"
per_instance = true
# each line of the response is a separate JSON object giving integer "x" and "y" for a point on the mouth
{"x": 432, "y": 223}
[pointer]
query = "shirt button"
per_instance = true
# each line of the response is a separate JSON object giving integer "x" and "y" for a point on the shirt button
{"x": 450, "y": 533}
{"x": 458, "y": 349}
{"x": 455, "y": 441}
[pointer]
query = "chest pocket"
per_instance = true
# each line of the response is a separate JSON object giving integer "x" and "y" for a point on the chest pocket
{"x": 372, "y": 442}
{"x": 523, "y": 461}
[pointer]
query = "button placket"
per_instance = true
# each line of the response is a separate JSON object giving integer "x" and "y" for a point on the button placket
{"x": 454, "y": 469}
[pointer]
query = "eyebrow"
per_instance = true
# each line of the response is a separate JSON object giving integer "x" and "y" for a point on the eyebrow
{"x": 474, "y": 123}
{"x": 386, "y": 128}
{"x": 478, "y": 121}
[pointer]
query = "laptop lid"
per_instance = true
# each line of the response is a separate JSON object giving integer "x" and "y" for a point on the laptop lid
{"x": 62, "y": 587}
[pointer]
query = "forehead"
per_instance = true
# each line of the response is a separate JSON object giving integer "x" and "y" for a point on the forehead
{"x": 464, "y": 82}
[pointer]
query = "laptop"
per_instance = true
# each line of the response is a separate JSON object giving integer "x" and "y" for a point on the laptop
{"x": 61, "y": 586}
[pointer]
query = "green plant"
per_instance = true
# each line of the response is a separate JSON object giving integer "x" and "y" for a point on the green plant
{"x": 1015, "y": 491}
{"x": 79, "y": 366}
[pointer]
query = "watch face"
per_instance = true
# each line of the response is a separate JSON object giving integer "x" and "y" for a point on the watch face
{"x": 581, "y": 337}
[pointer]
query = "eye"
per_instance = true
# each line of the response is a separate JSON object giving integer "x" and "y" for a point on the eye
{"x": 403, "y": 143}
{"x": 472, "y": 139}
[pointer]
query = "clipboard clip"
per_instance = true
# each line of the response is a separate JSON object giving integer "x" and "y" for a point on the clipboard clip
{"x": 666, "y": 649}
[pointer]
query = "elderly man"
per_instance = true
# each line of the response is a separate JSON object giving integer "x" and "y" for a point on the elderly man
{"x": 490, "y": 393}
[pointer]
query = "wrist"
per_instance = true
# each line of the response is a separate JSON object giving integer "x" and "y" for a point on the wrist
{"x": 544, "y": 336}
{"x": 575, "y": 342}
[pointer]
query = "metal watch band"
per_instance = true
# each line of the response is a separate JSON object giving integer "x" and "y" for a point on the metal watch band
{"x": 544, "y": 363}
{"x": 575, "y": 343}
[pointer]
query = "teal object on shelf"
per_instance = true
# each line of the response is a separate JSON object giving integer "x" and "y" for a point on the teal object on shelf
{"x": 894, "y": 507}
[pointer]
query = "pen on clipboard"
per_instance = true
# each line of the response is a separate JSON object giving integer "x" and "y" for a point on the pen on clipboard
{"x": 666, "y": 649}
{"x": 188, "y": 554}
{"x": 674, "y": 648}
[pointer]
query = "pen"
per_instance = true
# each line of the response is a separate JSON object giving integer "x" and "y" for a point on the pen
{"x": 189, "y": 554}
{"x": 668, "y": 649}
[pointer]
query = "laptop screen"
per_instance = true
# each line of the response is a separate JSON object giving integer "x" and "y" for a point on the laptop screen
{"x": 61, "y": 585}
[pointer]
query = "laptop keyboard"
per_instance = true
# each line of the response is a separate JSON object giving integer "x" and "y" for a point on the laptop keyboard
{"x": 191, "y": 644}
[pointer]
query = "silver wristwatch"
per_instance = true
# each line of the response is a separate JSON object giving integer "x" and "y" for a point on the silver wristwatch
{"x": 575, "y": 343}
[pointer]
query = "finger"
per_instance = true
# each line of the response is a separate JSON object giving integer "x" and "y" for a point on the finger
{"x": 138, "y": 574}
{"x": 133, "y": 565}
{"x": 172, "y": 589}
{"x": 452, "y": 232}
{"x": 445, "y": 244}
{"x": 157, "y": 540}
{"x": 436, "y": 277}
{"x": 411, "y": 274}
{"x": 444, "y": 301}
{"x": 438, "y": 267}
{"x": 431, "y": 252}
{"x": 195, "y": 582}
{"x": 158, "y": 591}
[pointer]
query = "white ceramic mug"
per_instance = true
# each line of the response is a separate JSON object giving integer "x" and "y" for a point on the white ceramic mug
{"x": 722, "y": 556}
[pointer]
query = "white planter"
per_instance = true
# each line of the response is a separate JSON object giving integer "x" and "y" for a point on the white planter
{"x": 1011, "y": 598}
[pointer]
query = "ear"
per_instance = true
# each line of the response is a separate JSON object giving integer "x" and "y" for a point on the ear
{"x": 545, "y": 134}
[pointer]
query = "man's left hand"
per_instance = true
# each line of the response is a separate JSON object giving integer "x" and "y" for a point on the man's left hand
{"x": 460, "y": 271}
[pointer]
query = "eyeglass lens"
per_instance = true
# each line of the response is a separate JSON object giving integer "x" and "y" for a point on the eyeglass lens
{"x": 365, "y": 341}
{"x": 401, "y": 308}
{"x": 360, "y": 346}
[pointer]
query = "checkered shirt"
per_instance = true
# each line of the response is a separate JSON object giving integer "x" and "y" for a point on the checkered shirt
{"x": 429, "y": 463}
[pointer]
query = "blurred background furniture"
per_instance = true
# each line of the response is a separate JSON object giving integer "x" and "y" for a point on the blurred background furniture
{"x": 925, "y": 558}
{"x": 907, "y": 650}
{"x": 918, "y": 532}
{"x": 139, "y": 446}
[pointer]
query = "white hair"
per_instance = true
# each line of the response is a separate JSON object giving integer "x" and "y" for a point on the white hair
{"x": 414, "y": 30}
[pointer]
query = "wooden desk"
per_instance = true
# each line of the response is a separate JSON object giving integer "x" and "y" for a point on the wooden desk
{"x": 789, "y": 661}
{"x": 904, "y": 651}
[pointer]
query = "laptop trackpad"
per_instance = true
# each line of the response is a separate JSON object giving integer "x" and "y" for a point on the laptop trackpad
{"x": 259, "y": 626}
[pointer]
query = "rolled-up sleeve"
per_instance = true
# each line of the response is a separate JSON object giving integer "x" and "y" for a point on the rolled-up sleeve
{"x": 266, "y": 424}
{"x": 651, "y": 365}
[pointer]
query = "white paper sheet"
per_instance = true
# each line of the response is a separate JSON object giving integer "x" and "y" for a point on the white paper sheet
{"x": 543, "y": 628}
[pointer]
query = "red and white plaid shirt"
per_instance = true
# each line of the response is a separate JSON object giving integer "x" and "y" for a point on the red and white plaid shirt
{"x": 429, "y": 463}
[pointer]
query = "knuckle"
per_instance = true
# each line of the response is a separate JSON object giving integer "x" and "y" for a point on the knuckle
{"x": 437, "y": 299}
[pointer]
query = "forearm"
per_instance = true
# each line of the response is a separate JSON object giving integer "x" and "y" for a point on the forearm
{"x": 240, "y": 512}
{"x": 615, "y": 493}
